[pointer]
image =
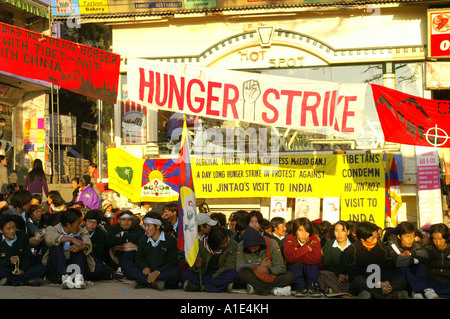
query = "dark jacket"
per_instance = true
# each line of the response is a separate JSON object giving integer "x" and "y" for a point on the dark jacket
{"x": 357, "y": 258}
{"x": 439, "y": 263}
{"x": 226, "y": 260}
{"x": 21, "y": 247}
{"x": 333, "y": 259}
{"x": 162, "y": 257}
{"x": 134, "y": 235}
{"x": 254, "y": 238}
{"x": 418, "y": 253}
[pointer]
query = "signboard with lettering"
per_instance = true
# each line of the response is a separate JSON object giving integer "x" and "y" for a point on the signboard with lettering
{"x": 234, "y": 95}
{"x": 429, "y": 187}
{"x": 438, "y": 33}
{"x": 357, "y": 179}
{"x": 82, "y": 69}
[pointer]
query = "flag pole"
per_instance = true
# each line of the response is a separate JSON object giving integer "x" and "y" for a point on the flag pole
{"x": 200, "y": 277}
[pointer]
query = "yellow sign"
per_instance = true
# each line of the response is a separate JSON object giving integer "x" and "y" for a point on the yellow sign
{"x": 358, "y": 179}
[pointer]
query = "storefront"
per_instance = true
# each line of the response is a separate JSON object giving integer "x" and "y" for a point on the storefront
{"x": 381, "y": 44}
{"x": 24, "y": 102}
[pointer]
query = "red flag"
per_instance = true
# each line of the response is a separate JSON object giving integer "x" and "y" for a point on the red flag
{"x": 412, "y": 120}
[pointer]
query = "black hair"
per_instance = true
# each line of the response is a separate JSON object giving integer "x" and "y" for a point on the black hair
{"x": 220, "y": 218}
{"x": 258, "y": 215}
{"x": 277, "y": 221}
{"x": 21, "y": 198}
{"x": 305, "y": 222}
{"x": 241, "y": 224}
{"x": 70, "y": 216}
{"x": 237, "y": 214}
{"x": 37, "y": 171}
{"x": 173, "y": 207}
{"x": 56, "y": 198}
{"x": 439, "y": 228}
{"x": 365, "y": 230}
{"x": 216, "y": 236}
{"x": 5, "y": 219}
{"x": 76, "y": 179}
{"x": 37, "y": 196}
{"x": 96, "y": 214}
{"x": 405, "y": 228}
{"x": 93, "y": 165}
{"x": 51, "y": 219}
{"x": 266, "y": 225}
{"x": 155, "y": 216}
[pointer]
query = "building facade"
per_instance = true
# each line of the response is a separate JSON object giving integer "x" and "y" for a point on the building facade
{"x": 380, "y": 42}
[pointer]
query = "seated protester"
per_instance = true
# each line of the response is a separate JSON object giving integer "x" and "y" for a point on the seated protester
{"x": 279, "y": 231}
{"x": 122, "y": 239}
{"x": 171, "y": 214}
{"x": 68, "y": 244}
{"x": 409, "y": 257}
{"x": 256, "y": 220}
{"x": 239, "y": 227}
{"x": 234, "y": 217}
{"x": 303, "y": 255}
{"x": 15, "y": 256}
{"x": 93, "y": 222}
{"x": 367, "y": 251}
{"x": 439, "y": 263}
{"x": 20, "y": 203}
{"x": 204, "y": 224}
{"x": 55, "y": 202}
{"x": 156, "y": 258}
{"x": 36, "y": 199}
{"x": 221, "y": 219}
{"x": 333, "y": 276}
{"x": 261, "y": 267}
{"x": 34, "y": 226}
{"x": 267, "y": 227}
{"x": 216, "y": 259}
{"x": 87, "y": 194}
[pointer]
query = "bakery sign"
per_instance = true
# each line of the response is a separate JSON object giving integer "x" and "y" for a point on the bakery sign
{"x": 439, "y": 33}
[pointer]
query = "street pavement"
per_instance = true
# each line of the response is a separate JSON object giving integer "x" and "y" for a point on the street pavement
{"x": 109, "y": 289}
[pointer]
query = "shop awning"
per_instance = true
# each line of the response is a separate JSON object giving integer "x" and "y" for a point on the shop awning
{"x": 29, "y": 7}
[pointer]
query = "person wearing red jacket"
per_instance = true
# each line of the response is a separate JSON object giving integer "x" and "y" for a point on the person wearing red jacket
{"x": 302, "y": 251}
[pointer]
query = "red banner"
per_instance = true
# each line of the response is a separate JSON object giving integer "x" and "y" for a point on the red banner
{"x": 412, "y": 120}
{"x": 75, "y": 67}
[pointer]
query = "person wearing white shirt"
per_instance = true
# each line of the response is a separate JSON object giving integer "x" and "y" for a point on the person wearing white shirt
{"x": 333, "y": 277}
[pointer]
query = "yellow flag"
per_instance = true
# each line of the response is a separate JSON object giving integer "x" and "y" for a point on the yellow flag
{"x": 125, "y": 173}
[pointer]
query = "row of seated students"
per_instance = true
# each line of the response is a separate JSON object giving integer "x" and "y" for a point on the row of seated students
{"x": 299, "y": 257}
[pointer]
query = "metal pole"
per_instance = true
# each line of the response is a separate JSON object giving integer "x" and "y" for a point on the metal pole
{"x": 99, "y": 151}
{"x": 59, "y": 134}
{"x": 52, "y": 129}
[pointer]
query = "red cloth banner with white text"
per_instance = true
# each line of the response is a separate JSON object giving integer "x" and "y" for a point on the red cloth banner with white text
{"x": 82, "y": 69}
{"x": 249, "y": 97}
{"x": 412, "y": 120}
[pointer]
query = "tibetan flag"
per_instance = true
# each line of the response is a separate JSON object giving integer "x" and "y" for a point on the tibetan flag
{"x": 393, "y": 197}
{"x": 187, "y": 217}
{"x": 160, "y": 180}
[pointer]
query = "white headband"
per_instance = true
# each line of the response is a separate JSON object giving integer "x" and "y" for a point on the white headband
{"x": 148, "y": 220}
{"x": 126, "y": 216}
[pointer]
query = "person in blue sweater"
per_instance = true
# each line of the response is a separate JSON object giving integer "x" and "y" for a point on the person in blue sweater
{"x": 156, "y": 263}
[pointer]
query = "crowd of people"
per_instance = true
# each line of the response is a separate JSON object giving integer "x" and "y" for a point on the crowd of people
{"x": 86, "y": 239}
